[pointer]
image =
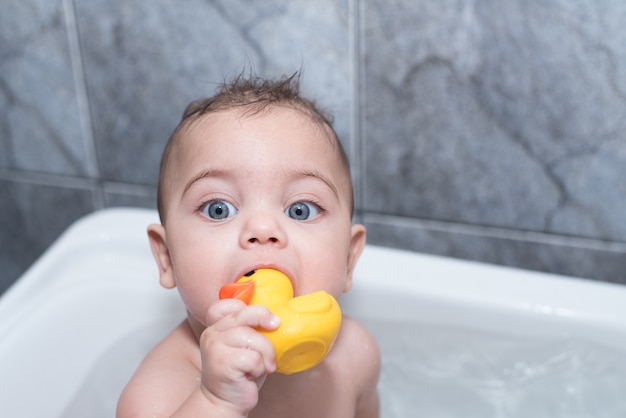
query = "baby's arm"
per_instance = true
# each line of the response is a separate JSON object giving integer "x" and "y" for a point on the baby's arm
{"x": 222, "y": 378}
{"x": 365, "y": 358}
{"x": 368, "y": 404}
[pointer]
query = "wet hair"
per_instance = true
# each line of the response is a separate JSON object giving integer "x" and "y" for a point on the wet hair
{"x": 253, "y": 95}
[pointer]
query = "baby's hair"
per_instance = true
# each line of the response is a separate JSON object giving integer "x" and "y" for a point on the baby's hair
{"x": 258, "y": 94}
{"x": 254, "y": 95}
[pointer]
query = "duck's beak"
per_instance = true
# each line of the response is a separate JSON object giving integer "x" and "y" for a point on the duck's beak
{"x": 241, "y": 291}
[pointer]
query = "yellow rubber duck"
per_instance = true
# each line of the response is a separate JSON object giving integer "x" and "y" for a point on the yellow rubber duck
{"x": 309, "y": 324}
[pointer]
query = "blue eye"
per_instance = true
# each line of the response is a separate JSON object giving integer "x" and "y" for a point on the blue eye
{"x": 302, "y": 211}
{"x": 219, "y": 210}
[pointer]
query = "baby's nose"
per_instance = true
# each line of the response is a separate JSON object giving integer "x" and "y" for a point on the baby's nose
{"x": 262, "y": 239}
{"x": 263, "y": 228}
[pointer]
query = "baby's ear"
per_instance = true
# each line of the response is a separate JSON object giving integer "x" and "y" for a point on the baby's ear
{"x": 156, "y": 235}
{"x": 357, "y": 243}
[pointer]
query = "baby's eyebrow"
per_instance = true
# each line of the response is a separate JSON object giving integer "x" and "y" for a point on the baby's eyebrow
{"x": 319, "y": 176}
{"x": 204, "y": 174}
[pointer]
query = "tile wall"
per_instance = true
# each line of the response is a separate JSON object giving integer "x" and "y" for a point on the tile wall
{"x": 485, "y": 130}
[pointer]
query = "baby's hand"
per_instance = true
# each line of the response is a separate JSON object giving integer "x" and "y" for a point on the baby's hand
{"x": 235, "y": 357}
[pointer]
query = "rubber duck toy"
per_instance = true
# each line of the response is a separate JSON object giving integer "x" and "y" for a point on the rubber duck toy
{"x": 309, "y": 324}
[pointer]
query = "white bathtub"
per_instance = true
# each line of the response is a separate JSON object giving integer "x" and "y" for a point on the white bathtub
{"x": 458, "y": 339}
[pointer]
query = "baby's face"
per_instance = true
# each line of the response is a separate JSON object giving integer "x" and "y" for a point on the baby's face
{"x": 258, "y": 191}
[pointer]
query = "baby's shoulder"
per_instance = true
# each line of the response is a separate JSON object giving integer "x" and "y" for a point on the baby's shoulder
{"x": 353, "y": 333}
{"x": 356, "y": 346}
{"x": 173, "y": 359}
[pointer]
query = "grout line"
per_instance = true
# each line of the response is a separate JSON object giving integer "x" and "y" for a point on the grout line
{"x": 356, "y": 140}
{"x": 138, "y": 190}
{"x": 79, "y": 183}
{"x": 82, "y": 97}
{"x": 80, "y": 84}
{"x": 47, "y": 179}
{"x": 497, "y": 233}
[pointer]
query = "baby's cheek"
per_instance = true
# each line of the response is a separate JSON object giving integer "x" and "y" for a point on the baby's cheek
{"x": 197, "y": 302}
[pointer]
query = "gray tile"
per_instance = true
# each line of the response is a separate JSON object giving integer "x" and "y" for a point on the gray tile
{"x": 473, "y": 117}
{"x": 596, "y": 199}
{"x": 577, "y": 258}
{"x": 146, "y": 60}
{"x": 509, "y": 115}
{"x": 40, "y": 126}
{"x": 33, "y": 216}
{"x": 130, "y": 196}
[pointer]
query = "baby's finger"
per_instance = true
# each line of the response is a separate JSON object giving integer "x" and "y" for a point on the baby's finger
{"x": 228, "y": 372}
{"x": 222, "y": 309}
{"x": 249, "y": 339}
{"x": 256, "y": 353}
{"x": 253, "y": 364}
{"x": 240, "y": 348}
{"x": 255, "y": 316}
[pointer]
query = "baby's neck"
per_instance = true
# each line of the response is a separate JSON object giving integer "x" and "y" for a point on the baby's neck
{"x": 196, "y": 327}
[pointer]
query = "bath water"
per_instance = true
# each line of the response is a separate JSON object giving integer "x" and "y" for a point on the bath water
{"x": 436, "y": 371}
{"x": 439, "y": 371}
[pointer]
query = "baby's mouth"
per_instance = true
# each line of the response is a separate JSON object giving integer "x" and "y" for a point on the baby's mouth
{"x": 252, "y": 272}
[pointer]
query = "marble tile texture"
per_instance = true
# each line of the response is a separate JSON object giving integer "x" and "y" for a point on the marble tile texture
{"x": 485, "y": 130}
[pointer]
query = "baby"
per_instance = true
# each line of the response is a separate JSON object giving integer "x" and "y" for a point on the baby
{"x": 254, "y": 177}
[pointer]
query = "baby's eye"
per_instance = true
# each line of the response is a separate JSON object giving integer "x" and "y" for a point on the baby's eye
{"x": 218, "y": 210}
{"x": 302, "y": 211}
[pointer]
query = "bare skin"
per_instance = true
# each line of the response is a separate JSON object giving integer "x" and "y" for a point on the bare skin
{"x": 327, "y": 390}
{"x": 250, "y": 170}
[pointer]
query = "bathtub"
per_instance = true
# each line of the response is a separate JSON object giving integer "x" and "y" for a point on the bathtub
{"x": 457, "y": 338}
